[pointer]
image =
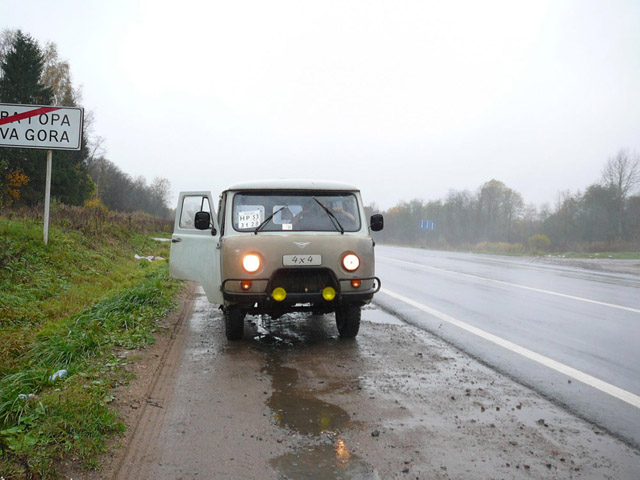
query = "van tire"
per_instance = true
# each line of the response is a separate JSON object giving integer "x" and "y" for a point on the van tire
{"x": 348, "y": 320}
{"x": 234, "y": 323}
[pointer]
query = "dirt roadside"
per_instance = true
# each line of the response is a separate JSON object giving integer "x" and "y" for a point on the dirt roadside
{"x": 610, "y": 265}
{"x": 291, "y": 400}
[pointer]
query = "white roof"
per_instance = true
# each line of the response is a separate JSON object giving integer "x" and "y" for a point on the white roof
{"x": 293, "y": 184}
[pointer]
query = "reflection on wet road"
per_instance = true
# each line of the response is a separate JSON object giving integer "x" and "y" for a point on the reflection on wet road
{"x": 297, "y": 408}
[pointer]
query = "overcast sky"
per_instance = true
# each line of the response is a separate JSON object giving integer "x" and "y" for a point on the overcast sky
{"x": 406, "y": 99}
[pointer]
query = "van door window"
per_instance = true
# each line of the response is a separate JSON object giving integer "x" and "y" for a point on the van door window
{"x": 190, "y": 206}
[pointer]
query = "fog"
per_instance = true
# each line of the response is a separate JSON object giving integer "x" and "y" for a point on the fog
{"x": 404, "y": 99}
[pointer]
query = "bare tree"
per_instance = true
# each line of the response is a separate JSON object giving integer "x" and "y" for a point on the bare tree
{"x": 57, "y": 76}
{"x": 622, "y": 173}
{"x": 7, "y": 37}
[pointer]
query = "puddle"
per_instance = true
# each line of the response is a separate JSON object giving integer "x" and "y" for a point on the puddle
{"x": 308, "y": 416}
{"x": 296, "y": 409}
{"x": 324, "y": 461}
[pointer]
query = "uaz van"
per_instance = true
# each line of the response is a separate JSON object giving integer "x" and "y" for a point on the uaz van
{"x": 276, "y": 247}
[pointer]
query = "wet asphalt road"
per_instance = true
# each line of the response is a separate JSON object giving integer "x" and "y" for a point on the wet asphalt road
{"x": 583, "y": 319}
{"x": 293, "y": 401}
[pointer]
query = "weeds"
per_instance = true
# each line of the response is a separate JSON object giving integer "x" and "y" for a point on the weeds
{"x": 68, "y": 305}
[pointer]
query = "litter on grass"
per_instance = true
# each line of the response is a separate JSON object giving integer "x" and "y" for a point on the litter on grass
{"x": 151, "y": 258}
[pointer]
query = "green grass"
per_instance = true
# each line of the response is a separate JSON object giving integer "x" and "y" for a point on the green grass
{"x": 69, "y": 306}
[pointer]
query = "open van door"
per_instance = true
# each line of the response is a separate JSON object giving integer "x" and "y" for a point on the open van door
{"x": 195, "y": 252}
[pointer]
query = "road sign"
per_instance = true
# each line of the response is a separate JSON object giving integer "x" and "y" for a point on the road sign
{"x": 427, "y": 225}
{"x": 45, "y": 127}
{"x": 39, "y": 126}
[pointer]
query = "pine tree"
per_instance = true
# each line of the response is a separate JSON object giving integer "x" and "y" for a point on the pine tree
{"x": 22, "y": 70}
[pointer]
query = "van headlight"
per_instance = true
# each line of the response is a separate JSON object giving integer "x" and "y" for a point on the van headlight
{"x": 350, "y": 262}
{"x": 251, "y": 262}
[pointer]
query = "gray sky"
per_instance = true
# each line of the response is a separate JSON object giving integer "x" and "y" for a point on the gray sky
{"x": 406, "y": 99}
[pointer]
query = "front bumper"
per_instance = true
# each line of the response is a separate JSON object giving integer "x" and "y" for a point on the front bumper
{"x": 298, "y": 300}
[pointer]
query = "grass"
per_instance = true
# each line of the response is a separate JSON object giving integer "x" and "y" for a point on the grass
{"x": 68, "y": 306}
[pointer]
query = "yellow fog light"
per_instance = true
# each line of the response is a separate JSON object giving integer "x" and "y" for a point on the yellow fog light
{"x": 329, "y": 294}
{"x": 279, "y": 294}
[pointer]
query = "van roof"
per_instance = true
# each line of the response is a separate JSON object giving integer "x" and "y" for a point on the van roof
{"x": 293, "y": 184}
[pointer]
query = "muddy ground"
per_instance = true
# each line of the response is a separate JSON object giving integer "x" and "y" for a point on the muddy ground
{"x": 292, "y": 400}
{"x": 612, "y": 265}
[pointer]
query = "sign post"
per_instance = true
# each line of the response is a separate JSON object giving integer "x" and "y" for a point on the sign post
{"x": 41, "y": 127}
{"x": 47, "y": 198}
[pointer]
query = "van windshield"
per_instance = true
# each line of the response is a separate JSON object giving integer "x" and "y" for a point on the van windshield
{"x": 295, "y": 211}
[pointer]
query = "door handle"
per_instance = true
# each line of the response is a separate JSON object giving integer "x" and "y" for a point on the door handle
{"x": 176, "y": 240}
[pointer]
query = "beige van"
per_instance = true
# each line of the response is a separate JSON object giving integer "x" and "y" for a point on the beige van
{"x": 276, "y": 247}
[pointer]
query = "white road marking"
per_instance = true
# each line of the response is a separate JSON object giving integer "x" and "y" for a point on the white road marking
{"x": 539, "y": 290}
{"x": 594, "y": 382}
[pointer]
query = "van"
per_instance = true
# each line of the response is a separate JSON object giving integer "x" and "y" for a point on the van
{"x": 278, "y": 246}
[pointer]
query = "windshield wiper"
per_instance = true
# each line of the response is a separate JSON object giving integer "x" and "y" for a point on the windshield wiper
{"x": 266, "y": 220}
{"x": 334, "y": 220}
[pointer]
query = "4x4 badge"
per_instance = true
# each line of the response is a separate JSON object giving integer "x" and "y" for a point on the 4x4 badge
{"x": 302, "y": 244}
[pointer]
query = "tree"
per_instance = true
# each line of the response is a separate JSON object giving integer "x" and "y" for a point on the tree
{"x": 22, "y": 69}
{"x": 498, "y": 207}
{"x": 561, "y": 225}
{"x": 31, "y": 77}
{"x": 598, "y": 210}
{"x": 458, "y": 217}
{"x": 622, "y": 173}
{"x": 160, "y": 190}
{"x": 57, "y": 76}
{"x": 7, "y": 37}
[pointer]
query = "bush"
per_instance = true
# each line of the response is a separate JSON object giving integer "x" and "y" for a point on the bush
{"x": 500, "y": 248}
{"x": 539, "y": 243}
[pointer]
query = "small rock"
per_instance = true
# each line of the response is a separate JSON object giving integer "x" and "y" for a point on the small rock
{"x": 375, "y": 433}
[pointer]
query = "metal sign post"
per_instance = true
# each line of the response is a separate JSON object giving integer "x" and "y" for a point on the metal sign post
{"x": 43, "y": 127}
{"x": 47, "y": 198}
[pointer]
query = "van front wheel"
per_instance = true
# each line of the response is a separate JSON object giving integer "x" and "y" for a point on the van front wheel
{"x": 234, "y": 323}
{"x": 348, "y": 320}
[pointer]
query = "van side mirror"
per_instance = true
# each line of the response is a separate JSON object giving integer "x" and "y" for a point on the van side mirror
{"x": 377, "y": 222}
{"x": 202, "y": 220}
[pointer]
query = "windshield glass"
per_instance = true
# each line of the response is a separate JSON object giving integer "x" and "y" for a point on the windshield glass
{"x": 295, "y": 211}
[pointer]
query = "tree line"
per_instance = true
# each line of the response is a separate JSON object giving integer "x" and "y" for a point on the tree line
{"x": 33, "y": 75}
{"x": 605, "y": 216}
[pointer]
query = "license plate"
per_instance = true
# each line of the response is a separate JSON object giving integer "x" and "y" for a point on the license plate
{"x": 288, "y": 260}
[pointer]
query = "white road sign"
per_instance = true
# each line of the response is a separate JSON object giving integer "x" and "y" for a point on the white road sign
{"x": 39, "y": 126}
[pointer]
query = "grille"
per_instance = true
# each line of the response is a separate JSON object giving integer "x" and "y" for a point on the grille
{"x": 303, "y": 280}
